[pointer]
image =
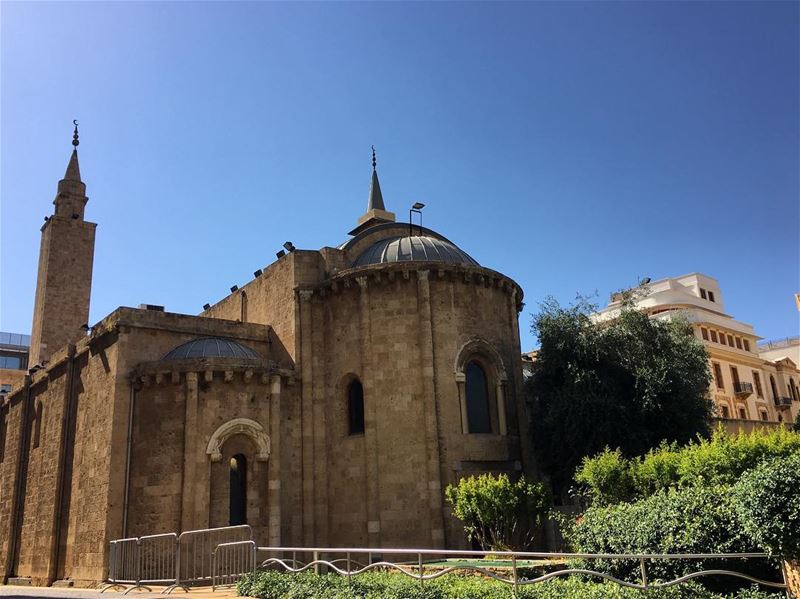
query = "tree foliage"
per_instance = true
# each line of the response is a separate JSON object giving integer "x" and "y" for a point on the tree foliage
{"x": 493, "y": 508}
{"x": 629, "y": 383}
{"x": 768, "y": 501}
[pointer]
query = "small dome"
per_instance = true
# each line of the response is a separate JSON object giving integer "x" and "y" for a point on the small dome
{"x": 406, "y": 249}
{"x": 211, "y": 347}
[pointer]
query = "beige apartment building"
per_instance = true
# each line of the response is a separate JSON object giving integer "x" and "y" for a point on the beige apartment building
{"x": 750, "y": 384}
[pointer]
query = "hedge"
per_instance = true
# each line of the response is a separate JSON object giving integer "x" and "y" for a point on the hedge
{"x": 381, "y": 585}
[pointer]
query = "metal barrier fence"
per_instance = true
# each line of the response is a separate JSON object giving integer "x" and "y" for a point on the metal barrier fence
{"x": 417, "y": 561}
{"x": 178, "y": 561}
{"x": 231, "y": 561}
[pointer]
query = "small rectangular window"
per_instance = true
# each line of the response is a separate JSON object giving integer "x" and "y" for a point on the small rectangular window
{"x": 725, "y": 412}
{"x": 763, "y": 415}
{"x": 739, "y": 343}
{"x": 757, "y": 381}
{"x": 702, "y": 293}
{"x": 746, "y": 345}
{"x": 742, "y": 413}
{"x": 713, "y": 336}
{"x": 704, "y": 333}
{"x": 722, "y": 338}
{"x": 730, "y": 340}
{"x": 734, "y": 376}
{"x": 718, "y": 376}
{"x": 711, "y": 296}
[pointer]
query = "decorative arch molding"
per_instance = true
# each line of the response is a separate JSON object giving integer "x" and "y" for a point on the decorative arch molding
{"x": 477, "y": 347}
{"x": 484, "y": 352}
{"x": 239, "y": 426}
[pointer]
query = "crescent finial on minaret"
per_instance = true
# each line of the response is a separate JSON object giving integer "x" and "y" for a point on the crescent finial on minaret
{"x": 75, "y": 141}
{"x": 374, "y": 162}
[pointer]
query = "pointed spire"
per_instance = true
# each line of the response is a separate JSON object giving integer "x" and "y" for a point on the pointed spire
{"x": 73, "y": 169}
{"x": 375, "y": 197}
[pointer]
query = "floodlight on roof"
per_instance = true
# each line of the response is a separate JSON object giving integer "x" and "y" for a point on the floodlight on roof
{"x": 258, "y": 273}
{"x": 280, "y": 254}
{"x": 418, "y": 206}
{"x": 206, "y": 306}
{"x": 289, "y": 246}
{"x": 234, "y": 289}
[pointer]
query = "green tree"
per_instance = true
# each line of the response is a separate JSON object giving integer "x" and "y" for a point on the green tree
{"x": 629, "y": 383}
{"x": 496, "y": 511}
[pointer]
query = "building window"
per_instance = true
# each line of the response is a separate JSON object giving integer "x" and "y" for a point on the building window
{"x": 746, "y": 345}
{"x": 711, "y": 296}
{"x": 743, "y": 413}
{"x": 11, "y": 362}
{"x": 735, "y": 377}
{"x": 722, "y": 338}
{"x": 757, "y": 381}
{"x": 477, "y": 392}
{"x": 713, "y": 336}
{"x": 237, "y": 499}
{"x": 355, "y": 408}
{"x": 772, "y": 384}
{"x": 703, "y": 293}
{"x": 244, "y": 306}
{"x": 718, "y": 376}
{"x": 730, "y": 340}
{"x": 763, "y": 415}
{"x": 37, "y": 424}
{"x": 739, "y": 343}
{"x": 792, "y": 389}
{"x": 704, "y": 333}
{"x": 725, "y": 412}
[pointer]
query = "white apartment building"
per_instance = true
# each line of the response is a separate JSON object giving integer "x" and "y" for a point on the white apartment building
{"x": 749, "y": 385}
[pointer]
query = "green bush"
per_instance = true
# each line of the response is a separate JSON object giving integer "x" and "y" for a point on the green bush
{"x": 768, "y": 502}
{"x": 690, "y": 520}
{"x": 492, "y": 508}
{"x": 610, "y": 478}
{"x": 381, "y": 585}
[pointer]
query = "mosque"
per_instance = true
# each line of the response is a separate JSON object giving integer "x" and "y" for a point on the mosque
{"x": 327, "y": 402}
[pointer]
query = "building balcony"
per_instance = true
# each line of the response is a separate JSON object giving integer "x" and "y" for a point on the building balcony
{"x": 783, "y": 402}
{"x": 743, "y": 388}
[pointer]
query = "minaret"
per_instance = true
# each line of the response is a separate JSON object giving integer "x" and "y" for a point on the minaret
{"x": 66, "y": 254}
{"x": 376, "y": 212}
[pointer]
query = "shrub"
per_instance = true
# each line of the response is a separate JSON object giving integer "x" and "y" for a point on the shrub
{"x": 768, "y": 502}
{"x": 492, "y": 508}
{"x": 380, "y": 585}
{"x": 722, "y": 460}
{"x": 691, "y": 520}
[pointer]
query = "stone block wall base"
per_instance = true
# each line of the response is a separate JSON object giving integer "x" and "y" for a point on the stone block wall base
{"x": 64, "y": 584}
{"x": 20, "y": 581}
{"x": 791, "y": 570}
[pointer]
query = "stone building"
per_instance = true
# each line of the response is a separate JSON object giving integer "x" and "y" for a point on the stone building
{"x": 329, "y": 401}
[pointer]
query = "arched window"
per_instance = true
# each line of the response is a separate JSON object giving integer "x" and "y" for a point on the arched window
{"x": 244, "y": 306}
{"x": 477, "y": 391}
{"x": 37, "y": 424}
{"x": 774, "y": 388}
{"x": 238, "y": 490}
{"x": 355, "y": 408}
{"x": 793, "y": 389}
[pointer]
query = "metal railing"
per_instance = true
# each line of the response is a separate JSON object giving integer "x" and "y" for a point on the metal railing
{"x": 231, "y": 561}
{"x": 783, "y": 401}
{"x": 178, "y": 561}
{"x": 416, "y": 562}
{"x": 743, "y": 388}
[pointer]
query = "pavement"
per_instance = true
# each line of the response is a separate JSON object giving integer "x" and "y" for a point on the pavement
{"x": 70, "y": 593}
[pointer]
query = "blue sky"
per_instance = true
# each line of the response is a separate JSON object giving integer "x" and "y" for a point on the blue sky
{"x": 575, "y": 147}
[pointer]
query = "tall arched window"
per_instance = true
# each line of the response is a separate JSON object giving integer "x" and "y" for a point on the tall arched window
{"x": 793, "y": 388}
{"x": 244, "y": 306}
{"x": 238, "y": 490}
{"x": 355, "y": 408}
{"x": 774, "y": 388}
{"x": 477, "y": 391}
{"x": 37, "y": 424}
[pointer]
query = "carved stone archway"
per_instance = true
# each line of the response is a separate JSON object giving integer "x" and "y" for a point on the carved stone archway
{"x": 239, "y": 426}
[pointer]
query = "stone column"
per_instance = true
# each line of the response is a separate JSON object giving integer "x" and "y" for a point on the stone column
{"x": 320, "y": 428}
{"x": 307, "y": 417}
{"x": 370, "y": 420}
{"x": 274, "y": 466}
{"x": 501, "y": 406}
{"x": 430, "y": 410}
{"x": 190, "y": 451}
